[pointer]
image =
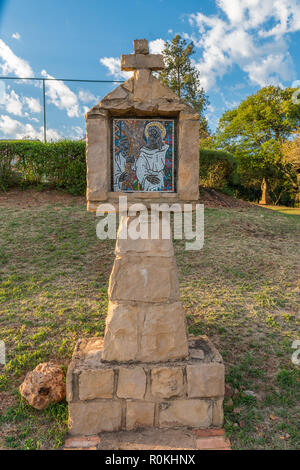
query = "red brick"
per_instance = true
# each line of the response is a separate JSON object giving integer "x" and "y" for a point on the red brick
{"x": 82, "y": 442}
{"x": 208, "y": 432}
{"x": 80, "y": 448}
{"x": 213, "y": 443}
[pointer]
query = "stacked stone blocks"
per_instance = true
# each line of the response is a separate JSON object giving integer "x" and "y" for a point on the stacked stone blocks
{"x": 110, "y": 397}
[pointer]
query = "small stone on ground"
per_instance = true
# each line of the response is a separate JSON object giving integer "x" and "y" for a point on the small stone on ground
{"x": 44, "y": 385}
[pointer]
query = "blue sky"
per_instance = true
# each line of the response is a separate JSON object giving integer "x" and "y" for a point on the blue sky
{"x": 241, "y": 45}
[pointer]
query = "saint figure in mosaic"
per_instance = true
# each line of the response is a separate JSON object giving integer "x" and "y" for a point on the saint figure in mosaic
{"x": 150, "y": 165}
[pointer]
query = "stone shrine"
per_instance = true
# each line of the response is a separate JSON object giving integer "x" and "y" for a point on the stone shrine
{"x": 142, "y": 142}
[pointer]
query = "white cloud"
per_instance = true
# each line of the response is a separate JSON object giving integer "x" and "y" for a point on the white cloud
{"x": 16, "y": 129}
{"x": 33, "y": 104}
{"x": 240, "y": 34}
{"x": 9, "y": 126}
{"x": 255, "y": 13}
{"x": 114, "y": 66}
{"x": 61, "y": 96}
{"x": 16, "y": 36}
{"x": 286, "y": 14}
{"x": 52, "y": 134}
{"x": 86, "y": 96}
{"x": 12, "y": 128}
{"x": 13, "y": 103}
{"x": 10, "y": 63}
{"x": 266, "y": 70}
{"x": 234, "y": 10}
{"x": 156, "y": 46}
{"x": 57, "y": 92}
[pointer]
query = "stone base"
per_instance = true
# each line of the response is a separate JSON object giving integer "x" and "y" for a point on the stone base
{"x": 111, "y": 396}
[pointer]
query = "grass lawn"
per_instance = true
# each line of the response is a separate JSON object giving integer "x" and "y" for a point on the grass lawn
{"x": 240, "y": 290}
{"x": 285, "y": 210}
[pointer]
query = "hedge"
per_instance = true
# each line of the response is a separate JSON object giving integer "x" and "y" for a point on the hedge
{"x": 217, "y": 168}
{"x": 60, "y": 165}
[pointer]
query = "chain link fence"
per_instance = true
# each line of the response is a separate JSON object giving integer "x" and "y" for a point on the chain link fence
{"x": 47, "y": 108}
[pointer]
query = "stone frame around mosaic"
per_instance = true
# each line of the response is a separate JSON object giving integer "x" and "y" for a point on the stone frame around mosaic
{"x": 175, "y": 159}
{"x": 121, "y": 103}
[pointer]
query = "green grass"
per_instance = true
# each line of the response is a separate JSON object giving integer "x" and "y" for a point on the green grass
{"x": 240, "y": 290}
{"x": 285, "y": 210}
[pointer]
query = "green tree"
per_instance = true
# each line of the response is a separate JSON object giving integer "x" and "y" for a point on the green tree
{"x": 255, "y": 131}
{"x": 291, "y": 162}
{"x": 183, "y": 78}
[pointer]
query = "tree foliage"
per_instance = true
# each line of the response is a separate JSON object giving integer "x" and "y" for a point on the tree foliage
{"x": 217, "y": 168}
{"x": 182, "y": 76}
{"x": 291, "y": 162}
{"x": 291, "y": 151}
{"x": 255, "y": 132}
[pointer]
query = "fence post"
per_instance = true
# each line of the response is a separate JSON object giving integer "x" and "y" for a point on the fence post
{"x": 44, "y": 106}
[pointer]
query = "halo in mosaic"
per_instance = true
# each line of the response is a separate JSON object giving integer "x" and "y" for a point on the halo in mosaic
{"x": 143, "y": 154}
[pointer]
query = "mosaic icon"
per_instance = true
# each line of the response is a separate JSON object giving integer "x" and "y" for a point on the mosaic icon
{"x": 143, "y": 154}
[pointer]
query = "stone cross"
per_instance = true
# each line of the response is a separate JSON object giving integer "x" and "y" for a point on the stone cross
{"x": 145, "y": 373}
{"x": 141, "y": 59}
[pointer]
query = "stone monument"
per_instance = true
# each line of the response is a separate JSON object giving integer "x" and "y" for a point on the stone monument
{"x": 142, "y": 141}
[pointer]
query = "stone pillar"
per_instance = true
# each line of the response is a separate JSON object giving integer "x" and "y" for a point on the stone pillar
{"x": 145, "y": 373}
{"x": 145, "y": 321}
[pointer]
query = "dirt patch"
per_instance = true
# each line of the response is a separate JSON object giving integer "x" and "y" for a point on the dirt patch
{"x": 6, "y": 401}
{"x": 17, "y": 198}
{"x": 213, "y": 198}
{"x": 33, "y": 198}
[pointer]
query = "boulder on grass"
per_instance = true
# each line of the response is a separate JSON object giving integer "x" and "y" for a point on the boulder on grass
{"x": 44, "y": 385}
